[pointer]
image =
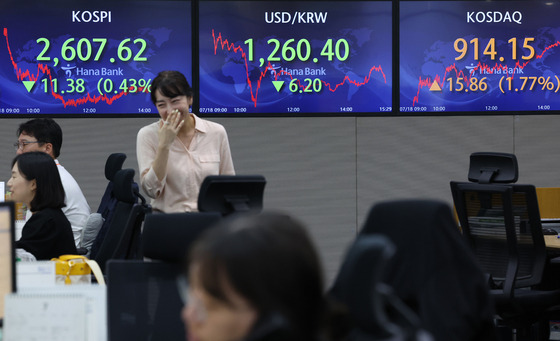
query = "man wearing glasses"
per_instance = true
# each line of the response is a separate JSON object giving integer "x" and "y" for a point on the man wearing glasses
{"x": 45, "y": 135}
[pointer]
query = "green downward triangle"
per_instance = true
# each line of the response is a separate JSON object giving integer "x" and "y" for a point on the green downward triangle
{"x": 278, "y": 85}
{"x": 29, "y": 85}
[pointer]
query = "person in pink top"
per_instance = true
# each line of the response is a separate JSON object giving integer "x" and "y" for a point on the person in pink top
{"x": 178, "y": 151}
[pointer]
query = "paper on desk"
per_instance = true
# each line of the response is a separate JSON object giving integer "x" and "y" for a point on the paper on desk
{"x": 35, "y": 274}
{"x": 45, "y": 317}
{"x": 94, "y": 302}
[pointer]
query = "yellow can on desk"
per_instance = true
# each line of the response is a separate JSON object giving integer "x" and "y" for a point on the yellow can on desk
{"x": 72, "y": 269}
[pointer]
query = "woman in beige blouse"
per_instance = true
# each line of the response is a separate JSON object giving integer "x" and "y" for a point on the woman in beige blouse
{"x": 178, "y": 151}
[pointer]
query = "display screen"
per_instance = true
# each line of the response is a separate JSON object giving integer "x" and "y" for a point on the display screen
{"x": 281, "y": 58}
{"x": 94, "y": 57}
{"x": 300, "y": 57}
{"x": 479, "y": 56}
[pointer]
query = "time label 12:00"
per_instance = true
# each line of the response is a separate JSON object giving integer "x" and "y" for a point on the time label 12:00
{"x": 83, "y": 49}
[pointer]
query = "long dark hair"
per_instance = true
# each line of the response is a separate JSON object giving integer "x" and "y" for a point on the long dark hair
{"x": 171, "y": 84}
{"x": 270, "y": 260}
{"x": 41, "y": 167}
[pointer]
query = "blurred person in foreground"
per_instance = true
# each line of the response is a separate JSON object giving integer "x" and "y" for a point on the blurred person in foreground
{"x": 254, "y": 278}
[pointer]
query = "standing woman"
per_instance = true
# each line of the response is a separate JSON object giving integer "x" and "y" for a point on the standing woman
{"x": 176, "y": 153}
{"x": 36, "y": 182}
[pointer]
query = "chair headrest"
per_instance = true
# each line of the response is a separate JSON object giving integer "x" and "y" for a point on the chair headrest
{"x": 488, "y": 167}
{"x": 123, "y": 187}
{"x": 168, "y": 236}
{"x": 357, "y": 282}
{"x": 113, "y": 165}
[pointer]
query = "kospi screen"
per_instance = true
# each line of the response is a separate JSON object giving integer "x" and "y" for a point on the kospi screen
{"x": 479, "y": 56}
{"x": 93, "y": 58}
{"x": 295, "y": 57}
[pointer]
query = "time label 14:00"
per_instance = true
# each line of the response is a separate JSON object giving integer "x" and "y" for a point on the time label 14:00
{"x": 301, "y": 50}
{"x": 83, "y": 49}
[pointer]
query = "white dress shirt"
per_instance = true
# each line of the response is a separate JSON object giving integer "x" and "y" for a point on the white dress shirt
{"x": 77, "y": 209}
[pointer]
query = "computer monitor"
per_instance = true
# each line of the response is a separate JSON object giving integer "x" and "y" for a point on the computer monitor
{"x": 486, "y": 167}
{"x": 231, "y": 193}
{"x": 7, "y": 253}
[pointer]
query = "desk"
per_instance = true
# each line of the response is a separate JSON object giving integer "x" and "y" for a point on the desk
{"x": 549, "y": 208}
{"x": 549, "y": 202}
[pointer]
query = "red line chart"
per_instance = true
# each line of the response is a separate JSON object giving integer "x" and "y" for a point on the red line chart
{"x": 43, "y": 69}
{"x": 224, "y": 44}
{"x": 485, "y": 68}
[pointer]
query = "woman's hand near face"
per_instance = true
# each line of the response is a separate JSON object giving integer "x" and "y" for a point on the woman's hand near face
{"x": 169, "y": 128}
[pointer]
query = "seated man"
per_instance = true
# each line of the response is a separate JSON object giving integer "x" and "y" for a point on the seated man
{"x": 45, "y": 135}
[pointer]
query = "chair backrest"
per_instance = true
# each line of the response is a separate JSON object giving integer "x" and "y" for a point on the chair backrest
{"x": 167, "y": 236}
{"x": 360, "y": 289}
{"x": 503, "y": 226}
{"x": 130, "y": 244}
{"x": 112, "y": 166}
{"x": 143, "y": 301}
{"x": 113, "y": 232}
{"x": 433, "y": 267}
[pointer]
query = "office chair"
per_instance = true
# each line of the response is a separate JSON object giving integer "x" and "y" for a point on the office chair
{"x": 126, "y": 220}
{"x": 433, "y": 270}
{"x": 108, "y": 202}
{"x": 375, "y": 313}
{"x": 143, "y": 300}
{"x": 96, "y": 220}
{"x": 502, "y": 225}
{"x": 112, "y": 166}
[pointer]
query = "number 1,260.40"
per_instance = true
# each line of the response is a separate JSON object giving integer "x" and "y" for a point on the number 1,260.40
{"x": 302, "y": 50}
